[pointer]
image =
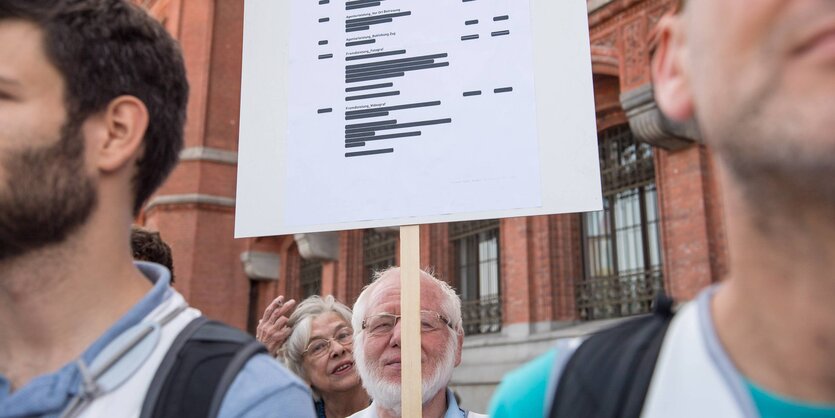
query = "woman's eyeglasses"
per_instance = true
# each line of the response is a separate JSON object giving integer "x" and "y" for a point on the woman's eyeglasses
{"x": 317, "y": 347}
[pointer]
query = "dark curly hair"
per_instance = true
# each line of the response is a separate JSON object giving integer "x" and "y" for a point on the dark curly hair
{"x": 149, "y": 246}
{"x": 108, "y": 48}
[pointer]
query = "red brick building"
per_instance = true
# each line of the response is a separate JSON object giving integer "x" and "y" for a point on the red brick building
{"x": 524, "y": 281}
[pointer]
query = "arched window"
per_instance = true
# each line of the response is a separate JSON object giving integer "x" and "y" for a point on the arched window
{"x": 621, "y": 243}
{"x": 310, "y": 277}
{"x": 378, "y": 251}
{"x": 475, "y": 257}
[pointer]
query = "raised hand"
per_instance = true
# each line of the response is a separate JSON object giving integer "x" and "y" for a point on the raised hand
{"x": 272, "y": 327}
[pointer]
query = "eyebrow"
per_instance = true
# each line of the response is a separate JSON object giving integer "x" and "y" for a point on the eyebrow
{"x": 335, "y": 330}
{"x": 11, "y": 81}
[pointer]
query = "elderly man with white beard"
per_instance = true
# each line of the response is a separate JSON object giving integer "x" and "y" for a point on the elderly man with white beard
{"x": 377, "y": 345}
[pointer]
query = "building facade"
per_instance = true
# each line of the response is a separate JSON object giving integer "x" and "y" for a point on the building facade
{"x": 524, "y": 281}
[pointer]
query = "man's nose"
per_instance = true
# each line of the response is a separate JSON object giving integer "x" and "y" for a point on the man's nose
{"x": 394, "y": 341}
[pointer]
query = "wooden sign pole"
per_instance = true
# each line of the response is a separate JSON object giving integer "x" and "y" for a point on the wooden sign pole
{"x": 410, "y": 371}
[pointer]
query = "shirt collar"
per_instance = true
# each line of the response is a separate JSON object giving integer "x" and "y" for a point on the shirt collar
{"x": 452, "y": 410}
{"x": 49, "y": 393}
{"x": 160, "y": 277}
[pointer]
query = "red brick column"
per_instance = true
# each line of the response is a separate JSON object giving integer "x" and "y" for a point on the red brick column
{"x": 291, "y": 262}
{"x": 330, "y": 271}
{"x": 693, "y": 241}
{"x": 568, "y": 264}
{"x": 194, "y": 208}
{"x": 515, "y": 271}
{"x": 267, "y": 290}
{"x": 435, "y": 250}
{"x": 537, "y": 253}
{"x": 350, "y": 268}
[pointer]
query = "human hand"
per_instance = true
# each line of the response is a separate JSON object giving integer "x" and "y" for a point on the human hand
{"x": 272, "y": 327}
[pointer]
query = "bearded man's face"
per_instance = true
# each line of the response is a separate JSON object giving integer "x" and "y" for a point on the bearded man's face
{"x": 46, "y": 195}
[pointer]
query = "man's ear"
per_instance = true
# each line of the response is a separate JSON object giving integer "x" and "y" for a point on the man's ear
{"x": 671, "y": 82}
{"x": 459, "y": 346}
{"x": 125, "y": 122}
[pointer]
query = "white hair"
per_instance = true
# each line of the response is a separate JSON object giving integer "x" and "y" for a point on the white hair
{"x": 386, "y": 394}
{"x": 450, "y": 303}
{"x": 300, "y": 323}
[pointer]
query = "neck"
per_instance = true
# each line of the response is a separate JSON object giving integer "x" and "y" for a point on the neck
{"x": 56, "y": 301}
{"x": 774, "y": 316}
{"x": 343, "y": 404}
{"x": 433, "y": 408}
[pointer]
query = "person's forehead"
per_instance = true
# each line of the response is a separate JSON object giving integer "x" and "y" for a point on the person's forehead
{"x": 23, "y": 61}
{"x": 386, "y": 298}
{"x": 325, "y": 324}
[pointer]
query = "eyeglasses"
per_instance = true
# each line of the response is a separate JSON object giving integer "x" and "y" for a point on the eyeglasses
{"x": 383, "y": 323}
{"x": 318, "y": 347}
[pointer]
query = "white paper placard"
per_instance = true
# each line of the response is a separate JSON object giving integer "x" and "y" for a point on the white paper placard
{"x": 370, "y": 113}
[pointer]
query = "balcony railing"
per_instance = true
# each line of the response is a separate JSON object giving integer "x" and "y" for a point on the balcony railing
{"x": 618, "y": 296}
{"x": 482, "y": 316}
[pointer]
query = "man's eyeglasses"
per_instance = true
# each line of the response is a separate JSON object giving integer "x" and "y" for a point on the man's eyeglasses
{"x": 383, "y": 323}
{"x": 317, "y": 347}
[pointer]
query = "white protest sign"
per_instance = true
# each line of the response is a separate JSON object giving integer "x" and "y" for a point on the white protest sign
{"x": 488, "y": 102}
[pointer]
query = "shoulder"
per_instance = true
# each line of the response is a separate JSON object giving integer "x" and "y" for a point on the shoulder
{"x": 522, "y": 391}
{"x": 265, "y": 388}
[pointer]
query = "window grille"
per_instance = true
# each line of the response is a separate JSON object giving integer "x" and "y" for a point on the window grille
{"x": 378, "y": 251}
{"x": 310, "y": 277}
{"x": 621, "y": 243}
{"x": 475, "y": 247}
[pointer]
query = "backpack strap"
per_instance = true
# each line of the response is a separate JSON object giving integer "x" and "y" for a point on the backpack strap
{"x": 198, "y": 369}
{"x": 164, "y": 370}
{"x": 236, "y": 363}
{"x": 609, "y": 374}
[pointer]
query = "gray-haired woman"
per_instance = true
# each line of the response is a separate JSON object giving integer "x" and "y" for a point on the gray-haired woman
{"x": 319, "y": 349}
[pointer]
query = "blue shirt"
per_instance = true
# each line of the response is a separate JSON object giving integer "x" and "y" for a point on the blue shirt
{"x": 771, "y": 405}
{"x": 262, "y": 388}
{"x": 522, "y": 392}
{"x": 452, "y": 410}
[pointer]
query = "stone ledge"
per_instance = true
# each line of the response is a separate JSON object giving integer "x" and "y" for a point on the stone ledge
{"x": 214, "y": 155}
{"x": 649, "y": 125}
{"x": 318, "y": 246}
{"x": 557, "y": 330}
{"x": 259, "y": 265}
{"x": 487, "y": 358}
{"x": 190, "y": 198}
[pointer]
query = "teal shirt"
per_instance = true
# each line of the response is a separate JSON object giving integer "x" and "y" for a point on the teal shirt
{"x": 522, "y": 391}
{"x": 773, "y": 406}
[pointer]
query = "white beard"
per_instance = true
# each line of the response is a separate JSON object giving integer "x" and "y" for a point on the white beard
{"x": 387, "y": 394}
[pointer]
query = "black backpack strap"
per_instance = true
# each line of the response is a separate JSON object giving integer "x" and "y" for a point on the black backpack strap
{"x": 609, "y": 374}
{"x": 235, "y": 365}
{"x": 198, "y": 369}
{"x": 164, "y": 369}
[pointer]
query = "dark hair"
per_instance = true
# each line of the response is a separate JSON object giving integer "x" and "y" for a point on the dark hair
{"x": 108, "y": 48}
{"x": 149, "y": 246}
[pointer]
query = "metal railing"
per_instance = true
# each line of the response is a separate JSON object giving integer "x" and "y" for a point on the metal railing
{"x": 618, "y": 296}
{"x": 482, "y": 316}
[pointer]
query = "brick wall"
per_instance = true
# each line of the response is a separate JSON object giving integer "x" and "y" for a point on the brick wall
{"x": 692, "y": 236}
